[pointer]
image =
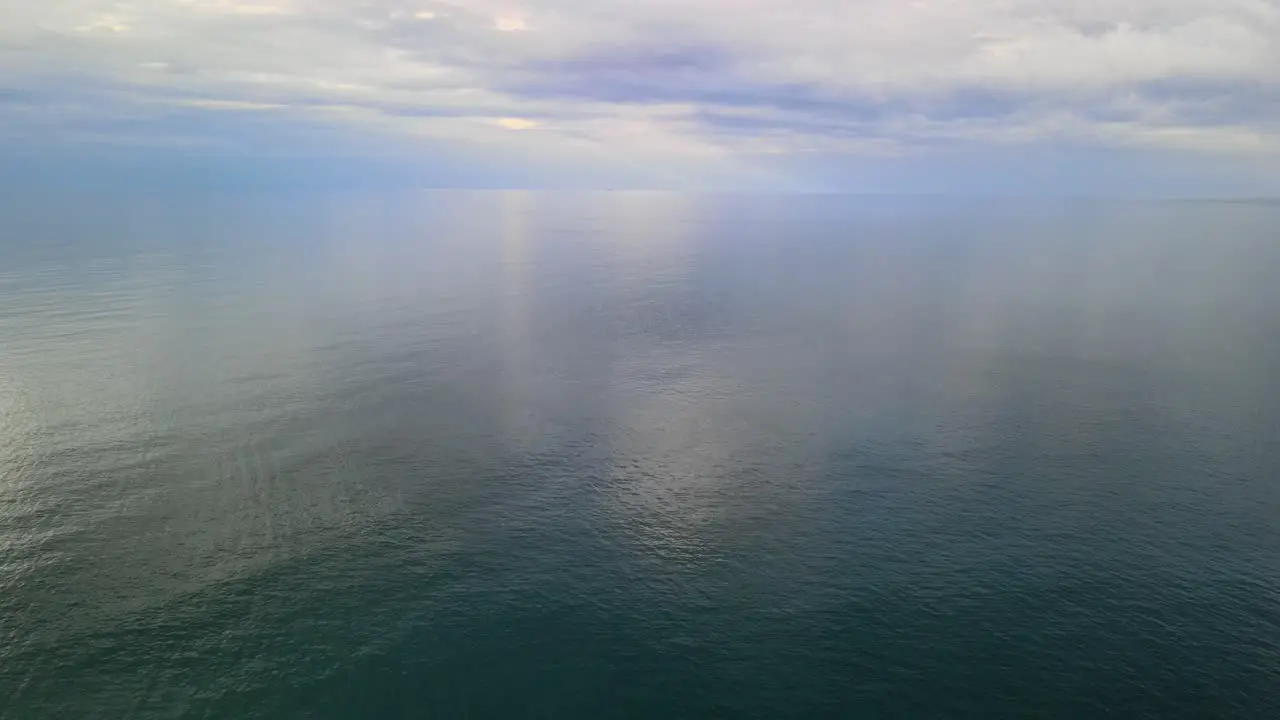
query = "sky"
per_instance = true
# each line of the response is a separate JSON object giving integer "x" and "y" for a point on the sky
{"x": 1080, "y": 97}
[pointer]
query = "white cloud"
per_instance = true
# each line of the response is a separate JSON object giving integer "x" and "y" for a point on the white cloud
{"x": 238, "y": 7}
{"x": 513, "y": 123}
{"x": 689, "y": 77}
{"x": 510, "y": 23}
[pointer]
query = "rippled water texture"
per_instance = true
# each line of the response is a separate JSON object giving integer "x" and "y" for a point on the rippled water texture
{"x": 638, "y": 455}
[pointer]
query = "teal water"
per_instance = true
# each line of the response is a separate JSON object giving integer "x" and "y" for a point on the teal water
{"x": 501, "y": 455}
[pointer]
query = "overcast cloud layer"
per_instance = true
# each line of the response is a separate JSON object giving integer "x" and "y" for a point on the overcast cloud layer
{"x": 774, "y": 91}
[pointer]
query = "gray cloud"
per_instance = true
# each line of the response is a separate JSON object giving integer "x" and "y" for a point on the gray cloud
{"x": 667, "y": 76}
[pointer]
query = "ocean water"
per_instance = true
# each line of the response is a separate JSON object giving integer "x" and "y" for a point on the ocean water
{"x": 492, "y": 455}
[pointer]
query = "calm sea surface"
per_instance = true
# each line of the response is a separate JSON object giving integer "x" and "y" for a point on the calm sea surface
{"x": 500, "y": 455}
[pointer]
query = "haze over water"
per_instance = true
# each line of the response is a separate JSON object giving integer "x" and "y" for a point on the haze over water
{"x": 638, "y": 455}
